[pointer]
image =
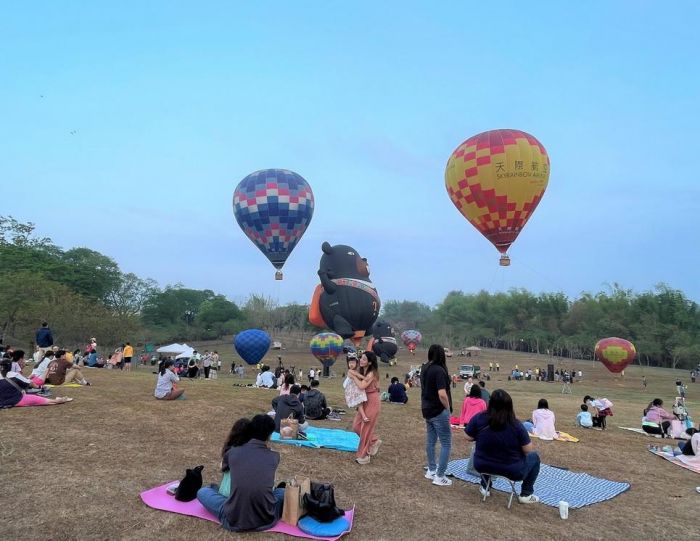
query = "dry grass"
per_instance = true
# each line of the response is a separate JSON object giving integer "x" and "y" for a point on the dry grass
{"x": 75, "y": 471}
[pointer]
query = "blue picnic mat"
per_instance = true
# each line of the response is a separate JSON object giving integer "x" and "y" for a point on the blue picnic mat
{"x": 328, "y": 438}
{"x": 553, "y": 485}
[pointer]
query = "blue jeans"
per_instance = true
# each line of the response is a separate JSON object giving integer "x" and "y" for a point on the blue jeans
{"x": 214, "y": 502}
{"x": 529, "y": 473}
{"x": 438, "y": 428}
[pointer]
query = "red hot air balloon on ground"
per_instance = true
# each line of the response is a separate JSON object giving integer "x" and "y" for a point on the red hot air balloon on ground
{"x": 615, "y": 353}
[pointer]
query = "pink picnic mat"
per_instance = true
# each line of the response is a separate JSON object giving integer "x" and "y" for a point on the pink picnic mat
{"x": 158, "y": 498}
{"x": 677, "y": 461}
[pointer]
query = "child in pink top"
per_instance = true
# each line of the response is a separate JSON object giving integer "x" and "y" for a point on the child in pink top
{"x": 472, "y": 405}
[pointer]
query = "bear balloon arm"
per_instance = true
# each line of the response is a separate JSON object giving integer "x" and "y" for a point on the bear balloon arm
{"x": 326, "y": 282}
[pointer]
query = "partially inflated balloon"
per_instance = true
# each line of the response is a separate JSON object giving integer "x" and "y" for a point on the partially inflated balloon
{"x": 411, "y": 339}
{"x": 326, "y": 347}
{"x": 252, "y": 345}
{"x": 496, "y": 179}
{"x": 615, "y": 353}
{"x": 274, "y": 207}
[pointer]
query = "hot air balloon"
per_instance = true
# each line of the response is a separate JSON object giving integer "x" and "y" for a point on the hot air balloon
{"x": 345, "y": 301}
{"x": 496, "y": 179}
{"x": 274, "y": 207}
{"x": 383, "y": 343}
{"x": 252, "y": 345}
{"x": 615, "y": 353}
{"x": 326, "y": 347}
{"x": 411, "y": 339}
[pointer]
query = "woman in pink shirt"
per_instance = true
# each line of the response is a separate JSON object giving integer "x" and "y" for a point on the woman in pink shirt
{"x": 543, "y": 421}
{"x": 656, "y": 419}
{"x": 472, "y": 405}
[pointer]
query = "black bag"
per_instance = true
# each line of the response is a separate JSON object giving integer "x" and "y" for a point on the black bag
{"x": 188, "y": 487}
{"x": 320, "y": 503}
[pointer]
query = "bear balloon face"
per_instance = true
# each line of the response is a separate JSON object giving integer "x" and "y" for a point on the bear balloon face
{"x": 343, "y": 261}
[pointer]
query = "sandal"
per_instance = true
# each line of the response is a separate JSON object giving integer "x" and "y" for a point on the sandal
{"x": 63, "y": 399}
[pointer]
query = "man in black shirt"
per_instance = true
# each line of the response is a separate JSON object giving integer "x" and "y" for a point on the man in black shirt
{"x": 436, "y": 406}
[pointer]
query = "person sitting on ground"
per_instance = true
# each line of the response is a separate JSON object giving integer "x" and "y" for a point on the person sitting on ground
{"x": 289, "y": 406}
{"x": 584, "y": 419}
{"x": 315, "y": 404}
{"x": 167, "y": 378}
{"x": 542, "y": 424}
{"x": 254, "y": 505}
{"x": 503, "y": 446}
{"x": 266, "y": 378}
{"x": 304, "y": 389}
{"x": 38, "y": 375}
{"x": 17, "y": 357}
{"x": 13, "y": 387}
{"x": 287, "y": 385}
{"x": 239, "y": 435}
{"x": 61, "y": 371}
{"x": 657, "y": 420}
{"x": 397, "y": 392}
{"x": 485, "y": 395}
{"x": 472, "y": 405}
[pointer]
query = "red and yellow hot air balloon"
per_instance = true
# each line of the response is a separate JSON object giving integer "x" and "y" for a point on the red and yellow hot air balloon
{"x": 615, "y": 353}
{"x": 496, "y": 180}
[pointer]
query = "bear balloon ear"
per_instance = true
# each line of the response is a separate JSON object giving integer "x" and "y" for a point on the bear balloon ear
{"x": 327, "y": 249}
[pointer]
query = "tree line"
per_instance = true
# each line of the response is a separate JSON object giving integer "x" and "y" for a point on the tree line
{"x": 84, "y": 293}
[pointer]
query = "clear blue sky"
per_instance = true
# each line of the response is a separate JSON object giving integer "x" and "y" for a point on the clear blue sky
{"x": 172, "y": 103}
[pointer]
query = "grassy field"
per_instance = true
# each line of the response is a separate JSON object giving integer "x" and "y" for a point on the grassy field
{"x": 75, "y": 471}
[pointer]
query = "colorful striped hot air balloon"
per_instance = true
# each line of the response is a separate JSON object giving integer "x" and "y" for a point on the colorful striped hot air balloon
{"x": 496, "y": 179}
{"x": 615, "y": 353}
{"x": 252, "y": 345}
{"x": 274, "y": 207}
{"x": 411, "y": 339}
{"x": 326, "y": 347}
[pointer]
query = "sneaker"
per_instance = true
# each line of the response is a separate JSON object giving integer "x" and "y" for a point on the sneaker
{"x": 364, "y": 460}
{"x": 375, "y": 448}
{"x": 430, "y": 474}
{"x": 484, "y": 492}
{"x": 442, "y": 481}
{"x": 528, "y": 499}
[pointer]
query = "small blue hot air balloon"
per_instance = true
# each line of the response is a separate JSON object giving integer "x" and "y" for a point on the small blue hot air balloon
{"x": 274, "y": 207}
{"x": 252, "y": 345}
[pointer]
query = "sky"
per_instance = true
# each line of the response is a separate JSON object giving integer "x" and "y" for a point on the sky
{"x": 126, "y": 127}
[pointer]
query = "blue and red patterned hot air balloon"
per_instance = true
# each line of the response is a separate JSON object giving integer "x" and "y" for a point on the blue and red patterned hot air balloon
{"x": 274, "y": 207}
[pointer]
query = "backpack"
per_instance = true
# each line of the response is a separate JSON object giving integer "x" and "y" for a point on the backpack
{"x": 320, "y": 503}
{"x": 190, "y": 484}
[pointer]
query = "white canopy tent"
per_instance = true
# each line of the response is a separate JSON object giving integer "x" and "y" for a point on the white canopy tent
{"x": 173, "y": 348}
{"x": 187, "y": 353}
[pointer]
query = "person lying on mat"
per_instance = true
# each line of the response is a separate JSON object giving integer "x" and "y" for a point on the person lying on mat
{"x": 289, "y": 406}
{"x": 542, "y": 424}
{"x": 254, "y": 505}
{"x": 657, "y": 420}
{"x": 167, "y": 378}
{"x": 503, "y": 446}
{"x": 13, "y": 387}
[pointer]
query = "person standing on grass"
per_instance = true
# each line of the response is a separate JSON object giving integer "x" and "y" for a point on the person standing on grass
{"x": 366, "y": 377}
{"x": 128, "y": 354}
{"x": 436, "y": 407}
{"x": 44, "y": 338}
{"x": 206, "y": 364}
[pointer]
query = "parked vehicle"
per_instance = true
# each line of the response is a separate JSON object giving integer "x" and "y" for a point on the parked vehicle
{"x": 467, "y": 370}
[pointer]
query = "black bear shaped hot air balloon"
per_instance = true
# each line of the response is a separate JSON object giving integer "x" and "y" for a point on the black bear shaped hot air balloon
{"x": 346, "y": 301}
{"x": 383, "y": 343}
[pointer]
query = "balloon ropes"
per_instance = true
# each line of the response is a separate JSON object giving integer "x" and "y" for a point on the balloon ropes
{"x": 252, "y": 345}
{"x": 274, "y": 207}
{"x": 615, "y": 353}
{"x": 496, "y": 179}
